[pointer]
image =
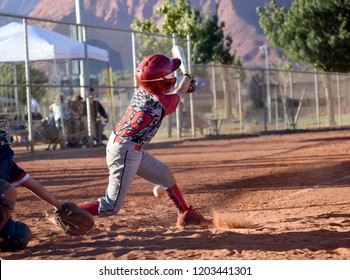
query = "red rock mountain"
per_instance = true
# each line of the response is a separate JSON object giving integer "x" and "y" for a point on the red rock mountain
{"x": 241, "y": 20}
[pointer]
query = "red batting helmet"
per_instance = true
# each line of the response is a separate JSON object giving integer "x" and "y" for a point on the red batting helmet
{"x": 155, "y": 73}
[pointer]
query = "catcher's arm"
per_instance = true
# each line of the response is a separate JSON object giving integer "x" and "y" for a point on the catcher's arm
{"x": 67, "y": 216}
{"x": 39, "y": 190}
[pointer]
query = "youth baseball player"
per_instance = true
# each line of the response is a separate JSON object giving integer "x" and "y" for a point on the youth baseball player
{"x": 15, "y": 234}
{"x": 155, "y": 99}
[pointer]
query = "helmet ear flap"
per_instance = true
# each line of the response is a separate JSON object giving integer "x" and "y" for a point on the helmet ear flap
{"x": 169, "y": 84}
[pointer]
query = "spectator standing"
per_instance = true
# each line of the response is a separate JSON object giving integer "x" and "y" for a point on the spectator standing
{"x": 35, "y": 107}
{"x": 74, "y": 126}
{"x": 35, "y": 110}
{"x": 98, "y": 118}
{"x": 59, "y": 113}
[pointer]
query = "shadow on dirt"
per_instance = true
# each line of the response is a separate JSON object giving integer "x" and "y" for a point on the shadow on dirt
{"x": 156, "y": 240}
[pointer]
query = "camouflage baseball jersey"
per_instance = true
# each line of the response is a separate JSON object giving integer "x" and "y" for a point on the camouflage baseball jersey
{"x": 144, "y": 116}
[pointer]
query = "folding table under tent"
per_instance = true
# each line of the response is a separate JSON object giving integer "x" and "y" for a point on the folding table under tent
{"x": 23, "y": 42}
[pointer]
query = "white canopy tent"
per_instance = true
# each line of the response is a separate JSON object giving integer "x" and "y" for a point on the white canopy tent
{"x": 23, "y": 42}
{"x": 43, "y": 45}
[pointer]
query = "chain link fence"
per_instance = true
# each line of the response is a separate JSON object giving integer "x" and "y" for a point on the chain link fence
{"x": 229, "y": 100}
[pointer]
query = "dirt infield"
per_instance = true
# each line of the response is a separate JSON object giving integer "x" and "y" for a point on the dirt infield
{"x": 272, "y": 197}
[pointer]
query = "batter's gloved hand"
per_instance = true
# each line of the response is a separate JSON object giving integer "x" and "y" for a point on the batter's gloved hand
{"x": 71, "y": 219}
{"x": 192, "y": 86}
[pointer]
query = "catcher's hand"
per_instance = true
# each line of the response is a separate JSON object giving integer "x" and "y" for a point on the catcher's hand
{"x": 71, "y": 219}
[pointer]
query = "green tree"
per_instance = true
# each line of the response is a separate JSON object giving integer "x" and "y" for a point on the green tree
{"x": 148, "y": 42}
{"x": 314, "y": 32}
{"x": 208, "y": 41}
{"x": 213, "y": 46}
{"x": 178, "y": 17}
{"x": 38, "y": 77}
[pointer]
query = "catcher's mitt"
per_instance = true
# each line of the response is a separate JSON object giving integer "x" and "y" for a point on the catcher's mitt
{"x": 71, "y": 219}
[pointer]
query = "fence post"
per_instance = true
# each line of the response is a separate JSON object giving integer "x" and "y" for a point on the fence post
{"x": 85, "y": 79}
{"x": 16, "y": 88}
{"x": 240, "y": 109}
{"x": 111, "y": 92}
{"x": 178, "y": 117}
{"x": 28, "y": 89}
{"x": 292, "y": 98}
{"x": 339, "y": 102}
{"x": 134, "y": 59}
{"x": 189, "y": 57}
{"x": 214, "y": 92}
{"x": 317, "y": 100}
{"x": 84, "y": 76}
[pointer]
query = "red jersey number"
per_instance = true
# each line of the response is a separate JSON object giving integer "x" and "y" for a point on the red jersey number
{"x": 138, "y": 121}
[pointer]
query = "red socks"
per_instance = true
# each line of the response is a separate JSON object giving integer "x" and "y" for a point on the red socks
{"x": 173, "y": 193}
{"x": 176, "y": 198}
{"x": 91, "y": 207}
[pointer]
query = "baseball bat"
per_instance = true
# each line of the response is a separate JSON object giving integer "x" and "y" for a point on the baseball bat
{"x": 178, "y": 52}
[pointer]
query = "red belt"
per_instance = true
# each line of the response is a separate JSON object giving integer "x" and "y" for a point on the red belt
{"x": 119, "y": 139}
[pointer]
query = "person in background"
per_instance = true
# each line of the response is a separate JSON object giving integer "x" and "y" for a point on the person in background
{"x": 98, "y": 117}
{"x": 75, "y": 108}
{"x": 58, "y": 111}
{"x": 35, "y": 109}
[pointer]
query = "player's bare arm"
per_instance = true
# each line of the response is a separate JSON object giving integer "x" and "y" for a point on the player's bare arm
{"x": 36, "y": 188}
{"x": 183, "y": 86}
